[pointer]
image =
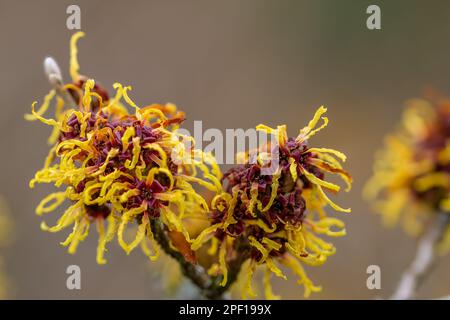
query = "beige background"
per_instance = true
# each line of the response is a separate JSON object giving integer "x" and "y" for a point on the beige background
{"x": 232, "y": 64}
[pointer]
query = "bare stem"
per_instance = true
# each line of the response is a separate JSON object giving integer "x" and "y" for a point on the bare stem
{"x": 424, "y": 259}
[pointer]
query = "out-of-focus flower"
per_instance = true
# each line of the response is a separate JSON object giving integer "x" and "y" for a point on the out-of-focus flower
{"x": 168, "y": 271}
{"x": 6, "y": 224}
{"x": 411, "y": 179}
{"x": 6, "y": 228}
{"x": 4, "y": 281}
{"x": 267, "y": 220}
{"x": 118, "y": 167}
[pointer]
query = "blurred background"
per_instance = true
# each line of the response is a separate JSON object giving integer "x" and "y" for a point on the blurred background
{"x": 232, "y": 64}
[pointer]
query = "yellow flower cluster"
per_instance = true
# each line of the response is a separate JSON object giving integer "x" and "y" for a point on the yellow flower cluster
{"x": 118, "y": 167}
{"x": 411, "y": 180}
{"x": 277, "y": 218}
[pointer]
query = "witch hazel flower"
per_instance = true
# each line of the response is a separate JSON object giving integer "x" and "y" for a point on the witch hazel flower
{"x": 410, "y": 184}
{"x": 272, "y": 220}
{"x": 117, "y": 167}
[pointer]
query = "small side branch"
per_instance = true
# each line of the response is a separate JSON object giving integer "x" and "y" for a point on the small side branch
{"x": 424, "y": 259}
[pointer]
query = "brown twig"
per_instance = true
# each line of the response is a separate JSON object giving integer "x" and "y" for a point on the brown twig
{"x": 209, "y": 286}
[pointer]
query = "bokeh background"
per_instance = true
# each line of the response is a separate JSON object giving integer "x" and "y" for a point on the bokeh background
{"x": 232, "y": 64}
